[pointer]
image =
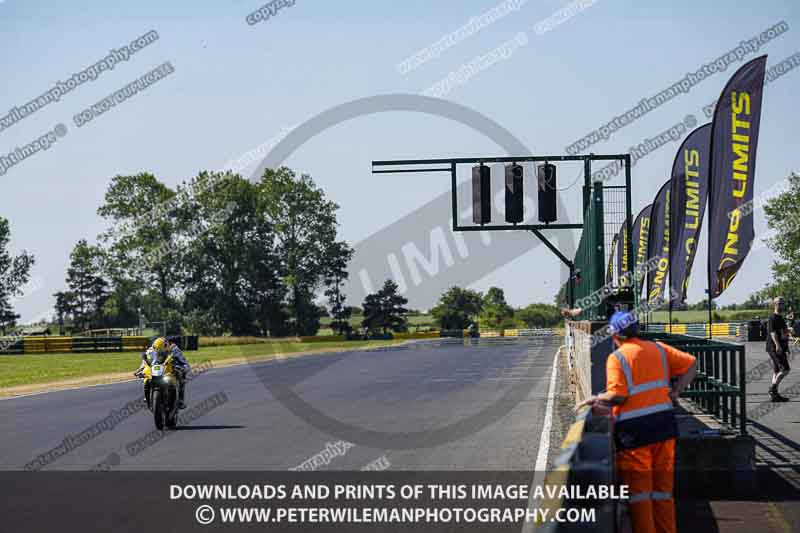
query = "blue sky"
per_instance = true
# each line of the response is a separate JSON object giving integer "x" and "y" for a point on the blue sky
{"x": 236, "y": 86}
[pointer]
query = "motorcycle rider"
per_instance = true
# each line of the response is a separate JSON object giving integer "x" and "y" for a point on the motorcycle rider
{"x": 160, "y": 349}
{"x": 182, "y": 369}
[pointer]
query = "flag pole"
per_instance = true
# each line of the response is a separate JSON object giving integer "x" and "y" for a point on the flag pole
{"x": 710, "y": 214}
{"x": 669, "y": 297}
{"x": 710, "y": 318}
{"x": 669, "y": 257}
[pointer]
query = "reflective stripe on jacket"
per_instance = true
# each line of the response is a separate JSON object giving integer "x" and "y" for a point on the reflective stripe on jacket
{"x": 647, "y": 415}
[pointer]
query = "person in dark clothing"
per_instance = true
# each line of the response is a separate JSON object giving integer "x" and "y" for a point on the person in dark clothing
{"x": 792, "y": 323}
{"x": 778, "y": 348}
{"x": 610, "y": 305}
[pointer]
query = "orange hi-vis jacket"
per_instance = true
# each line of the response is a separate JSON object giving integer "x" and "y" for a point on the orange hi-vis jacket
{"x": 641, "y": 371}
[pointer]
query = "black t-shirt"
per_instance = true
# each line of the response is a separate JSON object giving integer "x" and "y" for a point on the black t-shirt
{"x": 777, "y": 324}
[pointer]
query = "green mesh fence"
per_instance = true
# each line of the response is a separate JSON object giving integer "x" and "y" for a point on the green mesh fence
{"x": 590, "y": 258}
{"x": 613, "y": 219}
{"x": 603, "y": 218}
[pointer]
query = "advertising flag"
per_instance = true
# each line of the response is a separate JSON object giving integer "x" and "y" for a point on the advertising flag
{"x": 688, "y": 205}
{"x": 621, "y": 239}
{"x": 658, "y": 246}
{"x": 610, "y": 267}
{"x": 640, "y": 236}
{"x": 734, "y": 139}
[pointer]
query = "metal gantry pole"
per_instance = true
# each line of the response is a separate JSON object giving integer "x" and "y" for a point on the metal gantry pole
{"x": 454, "y": 194}
{"x": 629, "y": 230}
{"x": 587, "y": 185}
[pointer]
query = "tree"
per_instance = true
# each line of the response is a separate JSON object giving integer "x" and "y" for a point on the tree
{"x": 385, "y": 309}
{"x": 122, "y": 307}
{"x": 457, "y": 308}
{"x": 88, "y": 290}
{"x": 538, "y": 315}
{"x": 757, "y": 300}
{"x": 143, "y": 236}
{"x": 496, "y": 311}
{"x": 219, "y": 254}
{"x": 783, "y": 218}
{"x": 560, "y": 298}
{"x": 63, "y": 308}
{"x": 231, "y": 277}
{"x": 304, "y": 224}
{"x": 14, "y": 274}
{"x": 335, "y": 276}
{"x": 702, "y": 305}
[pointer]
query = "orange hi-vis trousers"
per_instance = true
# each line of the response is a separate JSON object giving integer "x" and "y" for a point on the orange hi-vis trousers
{"x": 649, "y": 473}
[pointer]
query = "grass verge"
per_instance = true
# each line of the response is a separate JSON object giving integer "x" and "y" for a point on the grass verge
{"x": 29, "y": 369}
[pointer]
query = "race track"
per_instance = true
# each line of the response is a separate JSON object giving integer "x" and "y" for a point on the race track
{"x": 431, "y": 405}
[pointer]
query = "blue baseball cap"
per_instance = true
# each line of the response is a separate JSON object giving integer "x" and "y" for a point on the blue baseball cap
{"x": 623, "y": 323}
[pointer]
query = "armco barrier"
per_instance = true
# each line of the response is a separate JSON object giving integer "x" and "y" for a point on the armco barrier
{"x": 700, "y": 329}
{"x": 402, "y": 336}
{"x": 130, "y": 343}
{"x": 529, "y": 332}
{"x": 585, "y": 459}
{"x": 10, "y": 346}
{"x": 417, "y": 335}
{"x": 323, "y": 338}
{"x": 43, "y": 345}
{"x": 535, "y": 332}
{"x": 455, "y": 333}
{"x": 74, "y": 344}
{"x": 46, "y": 344}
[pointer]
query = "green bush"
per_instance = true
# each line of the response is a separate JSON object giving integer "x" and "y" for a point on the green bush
{"x": 743, "y": 316}
{"x": 538, "y": 316}
{"x": 238, "y": 341}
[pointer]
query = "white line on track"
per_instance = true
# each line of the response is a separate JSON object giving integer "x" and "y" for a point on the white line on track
{"x": 544, "y": 441}
{"x": 77, "y": 387}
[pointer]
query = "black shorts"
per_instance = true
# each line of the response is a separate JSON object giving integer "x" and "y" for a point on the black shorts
{"x": 780, "y": 362}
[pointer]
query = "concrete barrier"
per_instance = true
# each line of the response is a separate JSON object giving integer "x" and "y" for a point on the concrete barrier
{"x": 588, "y": 349}
{"x": 585, "y": 458}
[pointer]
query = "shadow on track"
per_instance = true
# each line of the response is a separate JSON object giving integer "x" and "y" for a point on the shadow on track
{"x": 193, "y": 428}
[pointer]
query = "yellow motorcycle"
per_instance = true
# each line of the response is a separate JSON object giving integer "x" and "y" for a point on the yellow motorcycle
{"x": 161, "y": 392}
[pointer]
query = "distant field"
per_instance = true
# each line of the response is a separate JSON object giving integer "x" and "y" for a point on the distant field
{"x": 44, "y": 368}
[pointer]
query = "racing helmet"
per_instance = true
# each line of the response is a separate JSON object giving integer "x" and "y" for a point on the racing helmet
{"x": 160, "y": 345}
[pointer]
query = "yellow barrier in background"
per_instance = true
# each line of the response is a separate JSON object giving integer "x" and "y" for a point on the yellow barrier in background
{"x": 718, "y": 329}
{"x": 417, "y": 335}
{"x": 323, "y": 338}
{"x": 83, "y": 344}
{"x": 130, "y": 343}
{"x": 46, "y": 344}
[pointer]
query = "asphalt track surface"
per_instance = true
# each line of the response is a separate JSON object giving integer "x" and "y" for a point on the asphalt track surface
{"x": 431, "y": 405}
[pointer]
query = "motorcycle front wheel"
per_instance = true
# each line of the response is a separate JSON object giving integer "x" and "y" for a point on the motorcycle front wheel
{"x": 172, "y": 420}
{"x": 159, "y": 409}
